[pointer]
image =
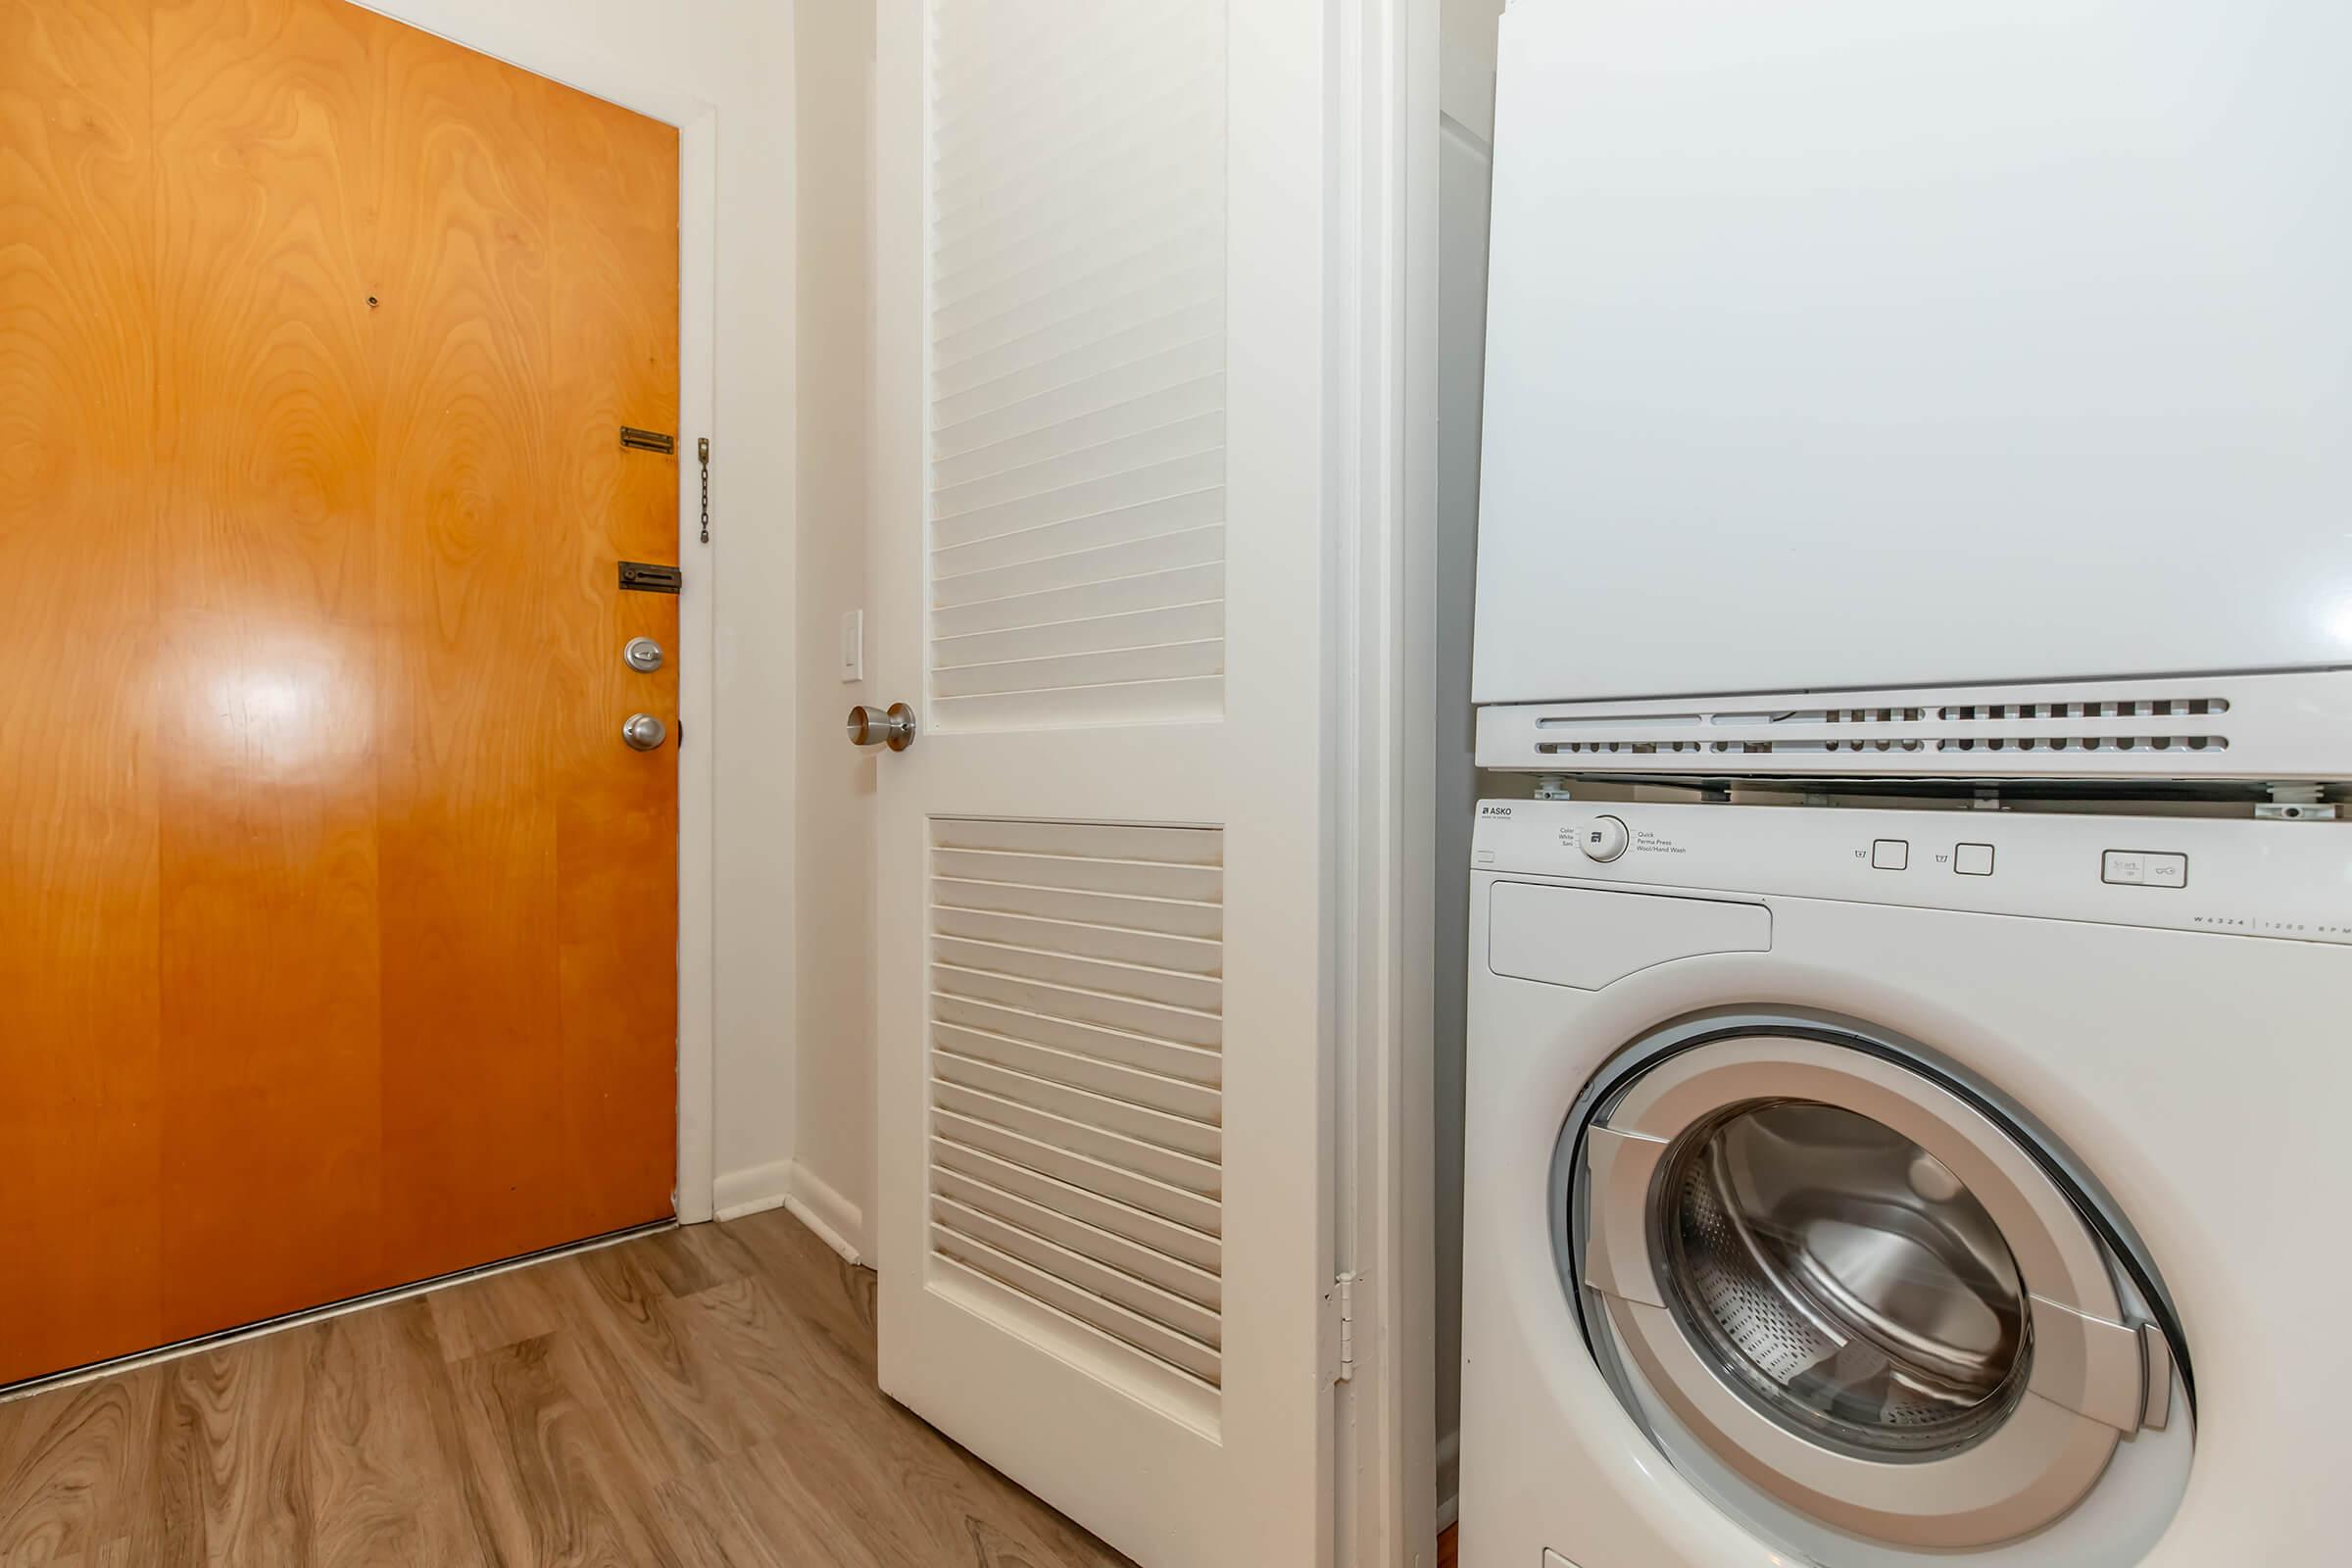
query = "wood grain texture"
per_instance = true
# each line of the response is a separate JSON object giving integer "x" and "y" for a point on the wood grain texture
{"x": 700, "y": 1398}
{"x": 80, "y": 1056}
{"x": 468, "y": 776}
{"x": 342, "y": 924}
{"x": 1450, "y": 1547}
{"x": 265, "y": 749}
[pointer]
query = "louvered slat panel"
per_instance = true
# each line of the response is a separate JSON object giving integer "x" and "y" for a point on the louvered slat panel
{"x": 1114, "y": 337}
{"x": 1059, "y": 420}
{"x": 1199, "y": 1286}
{"x": 1186, "y": 955}
{"x": 1160, "y": 557}
{"x": 1181, "y": 1242}
{"x": 1181, "y": 588}
{"x": 1082, "y": 841}
{"x": 1079, "y": 706}
{"x": 1109, "y": 977}
{"x": 1192, "y": 1101}
{"x": 1183, "y": 1025}
{"x": 1183, "y": 505}
{"x": 1166, "y": 1166}
{"x": 1077, "y": 1121}
{"x": 1107, "y": 1318}
{"x": 1157, "y": 443}
{"x": 1077, "y": 335}
{"x": 1162, "y": 1058}
{"x": 988, "y": 320}
{"x": 1188, "y": 1209}
{"x": 1173, "y": 916}
{"x": 1137, "y": 1296}
{"x": 1126, "y": 665}
{"x": 1186, "y": 400}
{"x": 1140, "y": 1123}
{"x": 1062, "y": 639}
{"x": 1151, "y": 879}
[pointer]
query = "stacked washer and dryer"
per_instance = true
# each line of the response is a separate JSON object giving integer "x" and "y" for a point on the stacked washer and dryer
{"x": 1908, "y": 1047}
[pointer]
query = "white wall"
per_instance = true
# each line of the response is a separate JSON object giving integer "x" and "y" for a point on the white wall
{"x": 1465, "y": 170}
{"x": 734, "y": 58}
{"x": 833, "y": 1179}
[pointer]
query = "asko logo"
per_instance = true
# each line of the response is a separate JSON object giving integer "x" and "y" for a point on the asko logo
{"x": 1494, "y": 811}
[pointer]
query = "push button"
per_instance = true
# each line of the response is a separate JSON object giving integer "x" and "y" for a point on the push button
{"x": 1891, "y": 855}
{"x": 2126, "y": 868}
{"x": 2166, "y": 871}
{"x": 1973, "y": 859}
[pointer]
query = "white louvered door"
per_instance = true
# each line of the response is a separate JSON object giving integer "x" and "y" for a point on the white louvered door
{"x": 1103, "y": 904}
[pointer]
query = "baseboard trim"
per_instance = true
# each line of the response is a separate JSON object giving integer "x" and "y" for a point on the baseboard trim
{"x": 839, "y": 1223}
{"x": 1449, "y": 1480}
{"x": 810, "y": 1199}
{"x": 738, "y": 1193}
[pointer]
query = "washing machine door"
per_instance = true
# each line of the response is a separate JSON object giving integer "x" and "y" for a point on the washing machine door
{"x": 1860, "y": 1291}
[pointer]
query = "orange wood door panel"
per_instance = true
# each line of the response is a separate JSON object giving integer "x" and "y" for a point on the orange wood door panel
{"x": 345, "y": 921}
{"x": 267, "y": 748}
{"x": 81, "y": 1075}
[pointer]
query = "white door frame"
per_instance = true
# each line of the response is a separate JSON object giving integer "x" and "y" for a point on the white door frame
{"x": 1387, "y": 77}
{"x": 565, "y": 58}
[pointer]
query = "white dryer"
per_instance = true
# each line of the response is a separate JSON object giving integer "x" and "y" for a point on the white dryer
{"x": 1875, "y": 1188}
{"x": 1847, "y": 345}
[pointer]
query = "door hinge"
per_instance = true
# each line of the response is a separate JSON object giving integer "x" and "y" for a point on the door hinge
{"x": 1343, "y": 1299}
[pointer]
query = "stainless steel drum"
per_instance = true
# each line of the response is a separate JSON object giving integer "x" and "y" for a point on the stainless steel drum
{"x": 1847, "y": 1277}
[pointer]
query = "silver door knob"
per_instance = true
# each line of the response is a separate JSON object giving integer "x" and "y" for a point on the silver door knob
{"x": 643, "y": 655}
{"x": 644, "y": 732}
{"x": 874, "y": 726}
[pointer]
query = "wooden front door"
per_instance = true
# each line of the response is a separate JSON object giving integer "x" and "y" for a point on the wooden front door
{"x": 337, "y": 924}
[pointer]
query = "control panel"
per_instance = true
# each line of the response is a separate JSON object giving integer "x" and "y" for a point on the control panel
{"x": 2234, "y": 876}
{"x": 2144, "y": 868}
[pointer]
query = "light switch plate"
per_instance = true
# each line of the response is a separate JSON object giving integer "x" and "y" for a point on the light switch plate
{"x": 853, "y": 646}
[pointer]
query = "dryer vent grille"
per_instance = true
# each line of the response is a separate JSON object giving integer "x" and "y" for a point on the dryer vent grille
{"x": 2093, "y": 727}
{"x": 2142, "y": 728}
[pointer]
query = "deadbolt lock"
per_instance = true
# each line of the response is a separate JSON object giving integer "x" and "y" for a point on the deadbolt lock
{"x": 643, "y": 655}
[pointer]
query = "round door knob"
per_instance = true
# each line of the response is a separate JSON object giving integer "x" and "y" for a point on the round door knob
{"x": 874, "y": 726}
{"x": 1602, "y": 839}
{"x": 642, "y": 655}
{"x": 644, "y": 732}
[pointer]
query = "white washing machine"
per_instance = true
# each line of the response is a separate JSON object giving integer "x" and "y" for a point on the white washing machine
{"x": 1866, "y": 1188}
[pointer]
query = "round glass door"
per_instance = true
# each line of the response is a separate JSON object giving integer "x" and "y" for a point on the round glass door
{"x": 1853, "y": 1285}
{"x": 1854, "y": 1288}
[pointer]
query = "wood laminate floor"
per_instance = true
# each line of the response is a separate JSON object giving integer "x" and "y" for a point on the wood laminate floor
{"x": 700, "y": 1397}
{"x": 1449, "y": 1548}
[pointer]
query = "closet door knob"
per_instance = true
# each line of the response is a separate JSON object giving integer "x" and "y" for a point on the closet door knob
{"x": 874, "y": 726}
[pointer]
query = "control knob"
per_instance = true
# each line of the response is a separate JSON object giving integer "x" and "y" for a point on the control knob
{"x": 1602, "y": 839}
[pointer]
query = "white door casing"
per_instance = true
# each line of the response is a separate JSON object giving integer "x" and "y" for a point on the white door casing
{"x": 1105, "y": 910}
